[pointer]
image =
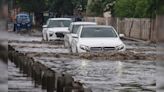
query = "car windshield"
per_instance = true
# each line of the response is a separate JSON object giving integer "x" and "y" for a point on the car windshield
{"x": 91, "y": 32}
{"x": 59, "y": 23}
{"x": 75, "y": 27}
{"x": 23, "y": 18}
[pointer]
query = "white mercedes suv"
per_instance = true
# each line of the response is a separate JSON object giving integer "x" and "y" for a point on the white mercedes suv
{"x": 56, "y": 28}
{"x": 96, "y": 39}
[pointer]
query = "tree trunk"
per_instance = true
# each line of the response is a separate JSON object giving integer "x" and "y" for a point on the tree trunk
{"x": 131, "y": 26}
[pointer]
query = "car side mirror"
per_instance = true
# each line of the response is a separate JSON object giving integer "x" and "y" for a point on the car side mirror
{"x": 44, "y": 26}
{"x": 121, "y": 35}
{"x": 74, "y": 35}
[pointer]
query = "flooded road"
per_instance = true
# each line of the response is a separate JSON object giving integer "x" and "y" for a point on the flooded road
{"x": 108, "y": 76}
{"x": 19, "y": 82}
{"x": 99, "y": 75}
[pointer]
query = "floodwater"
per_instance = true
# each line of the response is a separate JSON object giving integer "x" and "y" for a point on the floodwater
{"x": 108, "y": 76}
{"x": 98, "y": 75}
{"x": 3, "y": 77}
{"x": 19, "y": 82}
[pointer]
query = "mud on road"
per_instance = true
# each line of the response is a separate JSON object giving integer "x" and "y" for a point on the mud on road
{"x": 130, "y": 71}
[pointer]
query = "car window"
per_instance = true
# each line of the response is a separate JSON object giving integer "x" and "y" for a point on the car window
{"x": 91, "y": 32}
{"x": 75, "y": 27}
{"x": 23, "y": 18}
{"x": 59, "y": 23}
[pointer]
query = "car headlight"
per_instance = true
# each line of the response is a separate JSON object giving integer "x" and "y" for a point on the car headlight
{"x": 83, "y": 47}
{"x": 50, "y": 33}
{"x": 120, "y": 47}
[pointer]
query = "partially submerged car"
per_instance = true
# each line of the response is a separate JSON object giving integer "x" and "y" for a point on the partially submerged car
{"x": 23, "y": 21}
{"x": 73, "y": 30}
{"x": 96, "y": 39}
{"x": 56, "y": 28}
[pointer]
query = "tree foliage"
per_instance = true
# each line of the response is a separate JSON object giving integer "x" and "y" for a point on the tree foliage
{"x": 98, "y": 7}
{"x": 135, "y": 8}
{"x": 32, "y": 5}
{"x": 160, "y": 7}
{"x": 58, "y": 6}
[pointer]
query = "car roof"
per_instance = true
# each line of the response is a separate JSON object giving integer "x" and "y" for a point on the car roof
{"x": 22, "y": 14}
{"x": 82, "y": 23}
{"x": 60, "y": 19}
{"x": 98, "y": 26}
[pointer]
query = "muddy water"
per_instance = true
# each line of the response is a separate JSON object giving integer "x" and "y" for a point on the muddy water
{"x": 160, "y": 75}
{"x": 3, "y": 77}
{"x": 108, "y": 76}
{"x": 19, "y": 82}
{"x": 99, "y": 75}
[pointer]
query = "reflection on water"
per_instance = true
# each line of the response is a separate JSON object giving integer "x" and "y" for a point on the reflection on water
{"x": 120, "y": 68}
{"x": 84, "y": 63}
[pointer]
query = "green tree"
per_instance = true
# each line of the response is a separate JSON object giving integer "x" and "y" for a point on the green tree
{"x": 32, "y": 5}
{"x": 160, "y": 7}
{"x": 66, "y": 6}
{"x": 135, "y": 8}
{"x": 98, "y": 7}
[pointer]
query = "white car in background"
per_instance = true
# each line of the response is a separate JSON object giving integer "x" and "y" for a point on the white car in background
{"x": 73, "y": 30}
{"x": 56, "y": 28}
{"x": 96, "y": 39}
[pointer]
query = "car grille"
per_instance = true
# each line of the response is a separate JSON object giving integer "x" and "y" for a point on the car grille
{"x": 59, "y": 35}
{"x": 100, "y": 49}
{"x": 108, "y": 48}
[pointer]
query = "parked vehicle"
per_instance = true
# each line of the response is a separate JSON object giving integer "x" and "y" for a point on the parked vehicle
{"x": 23, "y": 21}
{"x": 56, "y": 28}
{"x": 73, "y": 29}
{"x": 96, "y": 39}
